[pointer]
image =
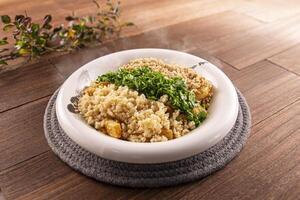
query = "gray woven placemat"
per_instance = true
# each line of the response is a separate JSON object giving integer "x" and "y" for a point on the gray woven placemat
{"x": 147, "y": 175}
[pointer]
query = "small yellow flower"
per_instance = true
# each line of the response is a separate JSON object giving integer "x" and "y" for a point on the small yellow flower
{"x": 71, "y": 34}
{"x": 81, "y": 23}
{"x": 23, "y": 52}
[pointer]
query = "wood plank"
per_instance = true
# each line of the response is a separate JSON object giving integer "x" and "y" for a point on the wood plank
{"x": 268, "y": 89}
{"x": 32, "y": 168}
{"x": 81, "y": 186}
{"x": 32, "y": 131}
{"x": 192, "y": 33}
{"x": 231, "y": 72}
{"x": 287, "y": 186}
{"x": 269, "y": 10}
{"x": 288, "y": 59}
{"x": 67, "y": 64}
{"x": 46, "y": 177}
{"x": 182, "y": 36}
{"x": 243, "y": 49}
{"x": 261, "y": 38}
{"x": 32, "y": 152}
{"x": 258, "y": 74}
{"x": 276, "y": 138}
{"x": 270, "y": 153}
{"x": 146, "y": 14}
{"x": 157, "y": 14}
{"x": 27, "y": 84}
{"x": 22, "y": 134}
{"x": 264, "y": 84}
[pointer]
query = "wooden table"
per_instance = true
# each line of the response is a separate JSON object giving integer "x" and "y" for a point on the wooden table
{"x": 256, "y": 43}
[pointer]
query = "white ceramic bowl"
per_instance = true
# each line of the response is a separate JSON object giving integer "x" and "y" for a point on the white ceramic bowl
{"x": 222, "y": 112}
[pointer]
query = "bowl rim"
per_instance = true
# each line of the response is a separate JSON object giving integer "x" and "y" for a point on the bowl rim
{"x": 126, "y": 151}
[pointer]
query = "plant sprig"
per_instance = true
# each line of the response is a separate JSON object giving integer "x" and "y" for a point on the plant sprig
{"x": 33, "y": 40}
{"x": 153, "y": 85}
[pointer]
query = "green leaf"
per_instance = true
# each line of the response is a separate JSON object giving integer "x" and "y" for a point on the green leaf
{"x": 128, "y": 24}
{"x": 36, "y": 51}
{"x": 41, "y": 41}
{"x": 47, "y": 19}
{"x": 5, "y": 19}
{"x": 35, "y": 29}
{"x": 77, "y": 27}
{"x": 26, "y": 21}
{"x": 47, "y": 26}
{"x": 8, "y": 27}
{"x": 20, "y": 44}
{"x": 3, "y": 41}
{"x": 23, "y": 52}
{"x": 3, "y": 62}
{"x": 19, "y": 18}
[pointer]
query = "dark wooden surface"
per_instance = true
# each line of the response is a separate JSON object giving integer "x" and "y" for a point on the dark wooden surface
{"x": 256, "y": 43}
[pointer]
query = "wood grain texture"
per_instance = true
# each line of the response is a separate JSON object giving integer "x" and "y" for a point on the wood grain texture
{"x": 64, "y": 187}
{"x": 271, "y": 152}
{"x": 264, "y": 84}
{"x": 146, "y": 14}
{"x": 268, "y": 88}
{"x": 27, "y": 84}
{"x": 45, "y": 176}
{"x": 156, "y": 14}
{"x": 194, "y": 33}
{"x": 288, "y": 59}
{"x": 269, "y": 10}
{"x": 22, "y": 134}
{"x": 181, "y": 36}
{"x": 227, "y": 69}
{"x": 254, "y": 45}
{"x": 67, "y": 64}
{"x": 1, "y": 196}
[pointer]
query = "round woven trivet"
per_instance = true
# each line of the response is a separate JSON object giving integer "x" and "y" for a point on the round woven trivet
{"x": 147, "y": 175}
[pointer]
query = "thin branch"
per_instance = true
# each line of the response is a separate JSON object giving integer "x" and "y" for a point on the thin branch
{"x": 34, "y": 40}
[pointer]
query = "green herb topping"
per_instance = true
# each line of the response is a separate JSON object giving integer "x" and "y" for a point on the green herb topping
{"x": 153, "y": 85}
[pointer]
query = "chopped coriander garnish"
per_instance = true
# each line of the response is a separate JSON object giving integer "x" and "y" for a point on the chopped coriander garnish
{"x": 153, "y": 85}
